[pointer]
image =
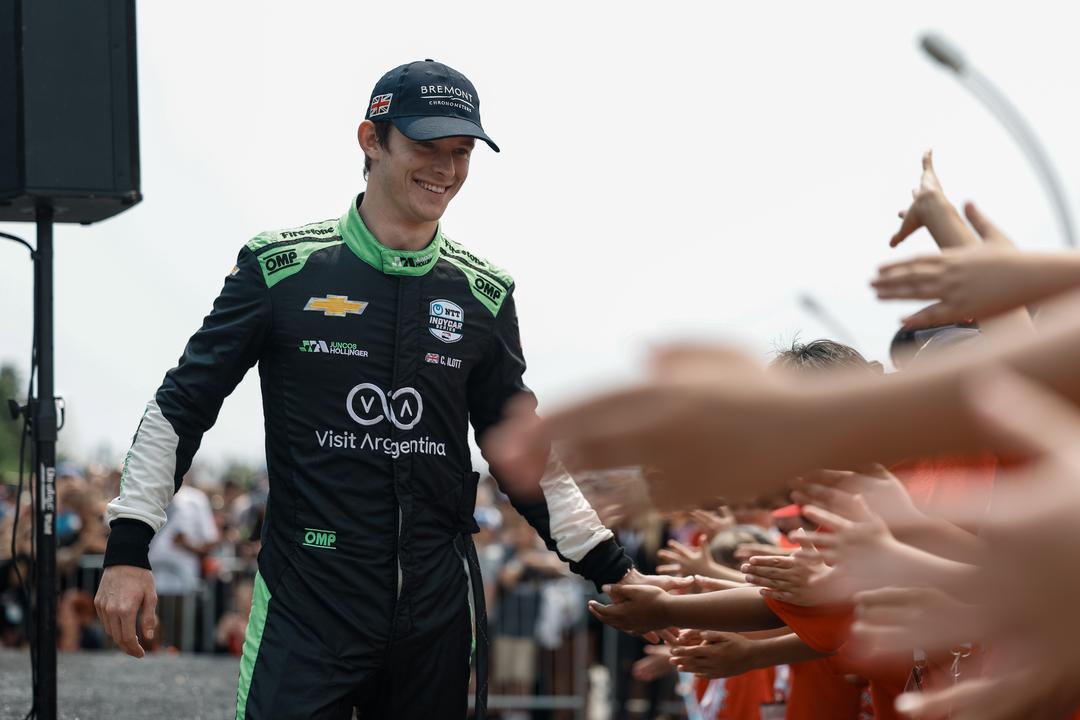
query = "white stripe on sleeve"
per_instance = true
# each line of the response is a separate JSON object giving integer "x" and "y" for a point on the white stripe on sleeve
{"x": 146, "y": 484}
{"x": 574, "y": 525}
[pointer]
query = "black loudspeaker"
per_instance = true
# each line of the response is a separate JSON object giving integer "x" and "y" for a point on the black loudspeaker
{"x": 69, "y": 114}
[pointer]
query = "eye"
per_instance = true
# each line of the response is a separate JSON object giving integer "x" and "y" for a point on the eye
{"x": 463, "y": 152}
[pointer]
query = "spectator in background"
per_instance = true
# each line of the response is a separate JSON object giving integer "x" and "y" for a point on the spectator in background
{"x": 176, "y": 554}
{"x": 76, "y": 622}
{"x": 527, "y": 565}
{"x": 490, "y": 551}
{"x": 80, "y": 525}
{"x": 229, "y": 634}
{"x": 13, "y": 596}
{"x": 642, "y": 538}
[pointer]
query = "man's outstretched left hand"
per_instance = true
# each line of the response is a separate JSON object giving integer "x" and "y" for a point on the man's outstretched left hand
{"x": 663, "y": 582}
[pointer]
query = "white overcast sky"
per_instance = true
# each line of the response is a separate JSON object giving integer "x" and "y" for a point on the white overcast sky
{"x": 668, "y": 170}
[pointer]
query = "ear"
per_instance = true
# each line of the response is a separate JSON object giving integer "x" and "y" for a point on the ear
{"x": 365, "y": 135}
{"x": 877, "y": 368}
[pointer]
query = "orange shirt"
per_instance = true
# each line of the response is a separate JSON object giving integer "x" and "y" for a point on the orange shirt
{"x": 943, "y": 482}
{"x": 826, "y": 628}
{"x": 887, "y": 677}
{"x": 931, "y": 482}
{"x": 743, "y": 694}
{"x": 823, "y": 627}
{"x": 818, "y": 692}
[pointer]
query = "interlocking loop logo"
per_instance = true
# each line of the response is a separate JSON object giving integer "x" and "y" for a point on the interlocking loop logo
{"x": 403, "y": 408}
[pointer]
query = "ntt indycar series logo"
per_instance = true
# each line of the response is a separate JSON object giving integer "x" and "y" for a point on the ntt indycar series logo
{"x": 445, "y": 321}
{"x": 368, "y": 405}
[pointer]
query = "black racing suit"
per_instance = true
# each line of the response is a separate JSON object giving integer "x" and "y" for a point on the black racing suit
{"x": 372, "y": 361}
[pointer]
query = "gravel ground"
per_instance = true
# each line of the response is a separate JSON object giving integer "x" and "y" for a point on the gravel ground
{"x": 110, "y": 685}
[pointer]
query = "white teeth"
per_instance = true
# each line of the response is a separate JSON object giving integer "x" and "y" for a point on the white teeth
{"x": 432, "y": 188}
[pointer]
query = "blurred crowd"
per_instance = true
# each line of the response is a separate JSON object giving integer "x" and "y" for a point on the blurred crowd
{"x": 934, "y": 570}
{"x": 207, "y": 550}
{"x": 205, "y": 556}
{"x": 852, "y": 543}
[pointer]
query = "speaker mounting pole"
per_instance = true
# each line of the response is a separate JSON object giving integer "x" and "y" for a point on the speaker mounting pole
{"x": 44, "y": 437}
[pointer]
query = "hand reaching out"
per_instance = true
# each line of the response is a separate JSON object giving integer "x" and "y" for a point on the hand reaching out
{"x": 635, "y": 609}
{"x": 894, "y": 619}
{"x": 861, "y": 552}
{"x": 655, "y": 664}
{"x": 713, "y": 523}
{"x": 926, "y": 199}
{"x": 971, "y": 278}
{"x": 664, "y": 582}
{"x": 991, "y": 234}
{"x": 704, "y": 584}
{"x": 798, "y": 579}
{"x": 1039, "y": 692}
{"x": 966, "y": 283}
{"x": 684, "y": 560}
{"x": 746, "y": 551}
{"x": 704, "y": 412}
{"x": 882, "y": 492}
{"x": 716, "y": 655}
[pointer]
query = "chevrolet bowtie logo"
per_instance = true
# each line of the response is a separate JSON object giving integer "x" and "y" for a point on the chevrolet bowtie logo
{"x": 336, "y": 306}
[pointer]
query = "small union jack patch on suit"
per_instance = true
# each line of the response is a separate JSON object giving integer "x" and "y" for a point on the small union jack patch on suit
{"x": 380, "y": 105}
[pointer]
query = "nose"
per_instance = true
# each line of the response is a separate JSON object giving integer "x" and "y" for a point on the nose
{"x": 443, "y": 165}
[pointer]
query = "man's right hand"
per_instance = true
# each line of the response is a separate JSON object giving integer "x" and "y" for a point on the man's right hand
{"x": 124, "y": 589}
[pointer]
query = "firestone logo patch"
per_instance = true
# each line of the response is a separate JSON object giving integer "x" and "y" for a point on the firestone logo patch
{"x": 446, "y": 320}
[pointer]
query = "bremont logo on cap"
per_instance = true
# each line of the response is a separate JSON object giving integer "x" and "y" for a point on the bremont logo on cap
{"x": 446, "y": 92}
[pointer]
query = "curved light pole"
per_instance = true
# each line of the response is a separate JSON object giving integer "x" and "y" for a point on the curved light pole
{"x": 999, "y": 106}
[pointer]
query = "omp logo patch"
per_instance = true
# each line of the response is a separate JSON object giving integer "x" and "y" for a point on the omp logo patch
{"x": 322, "y": 539}
{"x": 488, "y": 288}
{"x": 336, "y": 306}
{"x": 280, "y": 261}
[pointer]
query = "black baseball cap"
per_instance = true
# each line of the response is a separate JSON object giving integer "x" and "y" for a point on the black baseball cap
{"x": 427, "y": 101}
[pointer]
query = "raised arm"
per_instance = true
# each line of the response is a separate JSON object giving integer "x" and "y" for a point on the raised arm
{"x": 548, "y": 497}
{"x": 937, "y": 277}
{"x": 643, "y": 608}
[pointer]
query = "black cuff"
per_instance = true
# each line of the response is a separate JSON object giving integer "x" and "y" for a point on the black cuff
{"x": 129, "y": 543}
{"x": 605, "y": 563}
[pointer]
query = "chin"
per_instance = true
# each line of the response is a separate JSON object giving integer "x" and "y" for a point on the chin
{"x": 431, "y": 212}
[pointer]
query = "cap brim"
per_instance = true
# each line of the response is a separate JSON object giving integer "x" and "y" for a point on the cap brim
{"x": 428, "y": 127}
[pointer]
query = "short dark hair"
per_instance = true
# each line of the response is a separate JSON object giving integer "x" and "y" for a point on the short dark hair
{"x": 723, "y": 545}
{"x": 382, "y": 133}
{"x": 907, "y": 343}
{"x": 822, "y": 355}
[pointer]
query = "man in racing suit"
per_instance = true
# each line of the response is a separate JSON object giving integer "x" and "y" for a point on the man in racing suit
{"x": 378, "y": 339}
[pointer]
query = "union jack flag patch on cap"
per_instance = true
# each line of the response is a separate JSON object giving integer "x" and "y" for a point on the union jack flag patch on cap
{"x": 380, "y": 105}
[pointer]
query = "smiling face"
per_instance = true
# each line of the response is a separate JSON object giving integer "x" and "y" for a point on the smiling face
{"x": 415, "y": 178}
